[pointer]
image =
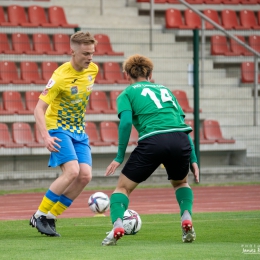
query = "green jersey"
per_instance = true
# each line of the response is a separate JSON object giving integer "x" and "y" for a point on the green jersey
{"x": 154, "y": 108}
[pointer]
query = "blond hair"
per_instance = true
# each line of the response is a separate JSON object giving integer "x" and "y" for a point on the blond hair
{"x": 80, "y": 37}
{"x": 138, "y": 66}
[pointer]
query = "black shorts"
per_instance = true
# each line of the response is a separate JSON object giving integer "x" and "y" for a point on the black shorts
{"x": 170, "y": 149}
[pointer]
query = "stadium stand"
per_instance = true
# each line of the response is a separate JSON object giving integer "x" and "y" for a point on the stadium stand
{"x": 31, "y": 99}
{"x": 254, "y": 42}
{"x": 30, "y": 72}
{"x": 213, "y": 15}
{"x": 47, "y": 69}
{"x": 9, "y": 73}
{"x": 247, "y": 72}
{"x": 6, "y": 140}
{"x": 212, "y": 131}
{"x": 104, "y": 46}
{"x": 61, "y": 43}
{"x": 12, "y": 102}
{"x": 237, "y": 48}
{"x": 42, "y": 44}
{"x": 174, "y": 19}
{"x": 113, "y": 73}
{"x": 219, "y": 46}
{"x": 192, "y": 19}
{"x": 36, "y": 15}
{"x": 109, "y": 132}
{"x": 21, "y": 43}
{"x": 113, "y": 96}
{"x": 93, "y": 134}
{"x": 17, "y": 17}
{"x": 57, "y": 17}
{"x": 22, "y": 134}
{"x": 248, "y": 19}
{"x": 98, "y": 103}
{"x": 230, "y": 20}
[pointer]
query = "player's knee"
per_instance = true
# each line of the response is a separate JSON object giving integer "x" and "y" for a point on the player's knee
{"x": 85, "y": 177}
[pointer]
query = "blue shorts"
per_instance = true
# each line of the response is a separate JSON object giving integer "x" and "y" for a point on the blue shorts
{"x": 73, "y": 146}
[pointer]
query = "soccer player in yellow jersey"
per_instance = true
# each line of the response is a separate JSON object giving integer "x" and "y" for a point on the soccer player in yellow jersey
{"x": 59, "y": 116}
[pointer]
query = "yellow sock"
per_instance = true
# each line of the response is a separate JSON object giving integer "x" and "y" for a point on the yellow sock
{"x": 58, "y": 209}
{"x": 46, "y": 205}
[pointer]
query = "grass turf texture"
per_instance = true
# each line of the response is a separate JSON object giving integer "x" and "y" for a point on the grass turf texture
{"x": 219, "y": 236}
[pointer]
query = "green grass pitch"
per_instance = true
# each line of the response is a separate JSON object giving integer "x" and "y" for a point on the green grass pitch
{"x": 230, "y": 235}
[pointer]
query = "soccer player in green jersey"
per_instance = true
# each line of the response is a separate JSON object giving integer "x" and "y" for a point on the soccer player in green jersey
{"x": 60, "y": 118}
{"x": 163, "y": 139}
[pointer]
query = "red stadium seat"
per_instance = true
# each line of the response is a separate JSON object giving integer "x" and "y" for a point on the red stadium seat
{"x": 195, "y": 2}
{"x": 133, "y": 137}
{"x": 42, "y": 44}
{"x": 248, "y": 19}
{"x": 213, "y": 15}
{"x": 254, "y": 42}
{"x": 30, "y": 72}
{"x": 237, "y": 48}
{"x": 98, "y": 103}
{"x": 202, "y": 137}
{"x": 12, "y": 102}
{"x": 229, "y": 20}
{"x": 258, "y": 15}
{"x": 104, "y": 46}
{"x": 113, "y": 96}
{"x": 155, "y": 1}
{"x": 109, "y": 132}
{"x": 6, "y": 140}
{"x": 31, "y": 99}
{"x": 22, "y": 134}
{"x": 212, "y": 2}
{"x": 100, "y": 78}
{"x": 37, "y": 136}
{"x": 173, "y": 1}
{"x": 47, "y": 68}
{"x": 93, "y": 135}
{"x": 2, "y": 17}
{"x": 248, "y": 72}
{"x": 113, "y": 73}
{"x": 61, "y": 43}
{"x": 231, "y": 2}
{"x": 219, "y": 46}
{"x": 183, "y": 101}
{"x": 57, "y": 17}
{"x": 9, "y": 73}
{"x": 36, "y": 15}
{"x": 248, "y": 2}
{"x": 212, "y": 131}
{"x": 192, "y": 19}
{"x": 4, "y": 44}
{"x": 173, "y": 19}
{"x": 17, "y": 16}
{"x": 21, "y": 43}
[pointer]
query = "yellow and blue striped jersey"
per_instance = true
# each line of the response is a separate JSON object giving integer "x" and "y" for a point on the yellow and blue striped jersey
{"x": 67, "y": 94}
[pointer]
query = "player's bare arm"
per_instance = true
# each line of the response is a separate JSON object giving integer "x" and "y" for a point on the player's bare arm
{"x": 51, "y": 143}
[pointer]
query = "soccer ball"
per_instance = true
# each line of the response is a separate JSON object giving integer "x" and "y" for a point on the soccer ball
{"x": 99, "y": 202}
{"x": 131, "y": 222}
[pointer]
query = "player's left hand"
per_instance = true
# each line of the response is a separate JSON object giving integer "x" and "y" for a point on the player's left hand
{"x": 112, "y": 168}
{"x": 195, "y": 171}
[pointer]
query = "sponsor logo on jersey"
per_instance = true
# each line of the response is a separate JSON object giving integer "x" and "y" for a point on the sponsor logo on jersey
{"x": 45, "y": 92}
{"x": 74, "y": 90}
{"x": 50, "y": 83}
{"x": 74, "y": 80}
{"x": 90, "y": 78}
{"x": 90, "y": 88}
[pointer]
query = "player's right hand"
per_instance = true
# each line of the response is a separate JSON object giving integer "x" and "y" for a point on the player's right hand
{"x": 51, "y": 144}
{"x": 112, "y": 168}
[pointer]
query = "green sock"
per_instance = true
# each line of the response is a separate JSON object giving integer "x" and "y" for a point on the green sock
{"x": 118, "y": 205}
{"x": 184, "y": 197}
